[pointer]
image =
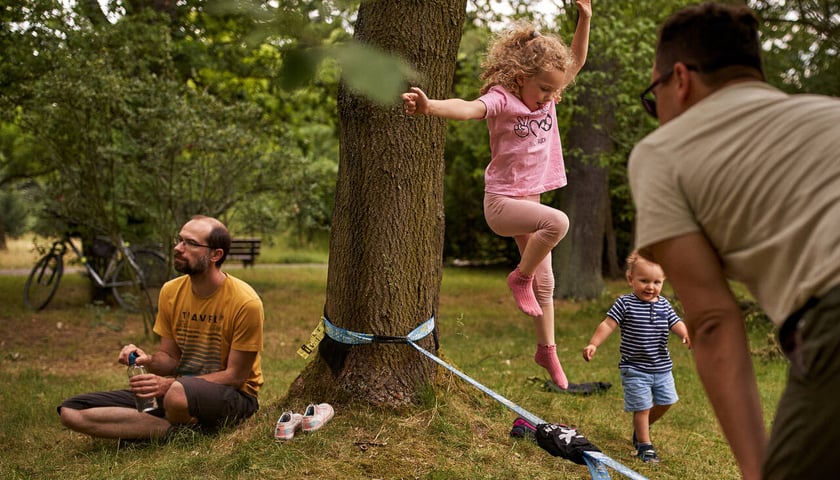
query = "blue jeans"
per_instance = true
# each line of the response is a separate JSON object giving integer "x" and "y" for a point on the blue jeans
{"x": 644, "y": 390}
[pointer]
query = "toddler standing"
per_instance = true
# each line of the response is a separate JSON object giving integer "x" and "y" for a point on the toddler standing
{"x": 645, "y": 318}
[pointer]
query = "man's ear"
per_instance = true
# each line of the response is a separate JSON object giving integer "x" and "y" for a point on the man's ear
{"x": 685, "y": 81}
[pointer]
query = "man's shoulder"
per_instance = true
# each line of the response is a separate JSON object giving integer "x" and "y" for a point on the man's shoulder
{"x": 175, "y": 283}
{"x": 242, "y": 287}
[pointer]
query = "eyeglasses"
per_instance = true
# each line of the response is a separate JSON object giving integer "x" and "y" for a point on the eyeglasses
{"x": 649, "y": 98}
{"x": 190, "y": 243}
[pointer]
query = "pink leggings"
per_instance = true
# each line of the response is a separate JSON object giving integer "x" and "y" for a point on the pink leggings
{"x": 528, "y": 221}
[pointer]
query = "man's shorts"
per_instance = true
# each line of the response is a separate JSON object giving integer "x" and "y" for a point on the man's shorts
{"x": 644, "y": 390}
{"x": 214, "y": 405}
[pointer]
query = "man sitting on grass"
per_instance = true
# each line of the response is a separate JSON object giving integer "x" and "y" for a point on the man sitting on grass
{"x": 206, "y": 372}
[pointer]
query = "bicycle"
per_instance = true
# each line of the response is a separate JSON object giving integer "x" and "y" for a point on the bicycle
{"x": 134, "y": 276}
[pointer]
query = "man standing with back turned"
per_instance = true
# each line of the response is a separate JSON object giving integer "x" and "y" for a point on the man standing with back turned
{"x": 742, "y": 181}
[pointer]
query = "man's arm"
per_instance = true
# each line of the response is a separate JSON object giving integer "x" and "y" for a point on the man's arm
{"x": 165, "y": 360}
{"x": 238, "y": 369}
{"x": 719, "y": 340}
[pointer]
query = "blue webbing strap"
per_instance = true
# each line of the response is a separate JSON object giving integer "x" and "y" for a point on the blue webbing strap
{"x": 595, "y": 461}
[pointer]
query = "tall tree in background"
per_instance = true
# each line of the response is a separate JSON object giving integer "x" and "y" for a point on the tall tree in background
{"x": 578, "y": 259}
{"x": 386, "y": 246}
{"x": 605, "y": 121}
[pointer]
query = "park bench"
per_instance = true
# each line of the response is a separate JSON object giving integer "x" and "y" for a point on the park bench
{"x": 244, "y": 250}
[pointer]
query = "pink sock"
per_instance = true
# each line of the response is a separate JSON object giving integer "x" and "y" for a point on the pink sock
{"x": 546, "y": 357}
{"x": 523, "y": 292}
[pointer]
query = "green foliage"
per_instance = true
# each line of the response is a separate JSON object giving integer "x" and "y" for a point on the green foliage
{"x": 13, "y": 214}
{"x": 802, "y": 44}
{"x": 128, "y": 147}
{"x": 371, "y": 72}
{"x": 229, "y": 107}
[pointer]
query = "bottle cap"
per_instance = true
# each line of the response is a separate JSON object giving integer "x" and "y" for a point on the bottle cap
{"x": 132, "y": 357}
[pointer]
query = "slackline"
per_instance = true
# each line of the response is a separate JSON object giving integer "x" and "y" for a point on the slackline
{"x": 595, "y": 461}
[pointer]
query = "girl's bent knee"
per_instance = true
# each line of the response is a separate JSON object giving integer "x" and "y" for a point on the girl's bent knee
{"x": 559, "y": 225}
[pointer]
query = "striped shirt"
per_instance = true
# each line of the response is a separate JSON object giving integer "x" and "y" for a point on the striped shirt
{"x": 644, "y": 332}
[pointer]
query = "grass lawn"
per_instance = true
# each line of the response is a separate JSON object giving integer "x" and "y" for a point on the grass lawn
{"x": 454, "y": 431}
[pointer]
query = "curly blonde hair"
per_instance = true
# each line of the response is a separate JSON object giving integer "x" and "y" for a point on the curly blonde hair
{"x": 522, "y": 50}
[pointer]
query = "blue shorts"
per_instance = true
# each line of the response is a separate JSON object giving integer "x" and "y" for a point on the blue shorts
{"x": 644, "y": 390}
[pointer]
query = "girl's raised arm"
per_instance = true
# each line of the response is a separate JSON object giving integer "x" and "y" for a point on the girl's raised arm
{"x": 580, "y": 42}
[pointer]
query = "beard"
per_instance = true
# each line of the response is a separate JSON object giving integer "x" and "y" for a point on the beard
{"x": 200, "y": 265}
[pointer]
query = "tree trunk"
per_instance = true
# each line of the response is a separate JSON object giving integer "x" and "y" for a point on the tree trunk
{"x": 578, "y": 259}
{"x": 386, "y": 243}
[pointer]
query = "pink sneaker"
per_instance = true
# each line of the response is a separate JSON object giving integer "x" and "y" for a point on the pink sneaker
{"x": 287, "y": 425}
{"x": 316, "y": 416}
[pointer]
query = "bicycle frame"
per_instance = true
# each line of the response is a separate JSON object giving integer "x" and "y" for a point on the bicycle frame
{"x": 113, "y": 261}
{"x": 134, "y": 277}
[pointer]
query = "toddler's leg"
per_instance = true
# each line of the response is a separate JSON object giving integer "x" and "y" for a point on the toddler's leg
{"x": 641, "y": 427}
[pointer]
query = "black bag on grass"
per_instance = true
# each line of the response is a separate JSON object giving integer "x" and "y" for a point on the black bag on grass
{"x": 562, "y": 441}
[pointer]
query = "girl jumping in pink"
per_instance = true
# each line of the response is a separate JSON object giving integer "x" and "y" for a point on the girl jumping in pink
{"x": 524, "y": 74}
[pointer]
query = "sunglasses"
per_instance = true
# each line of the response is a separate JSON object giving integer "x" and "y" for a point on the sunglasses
{"x": 649, "y": 98}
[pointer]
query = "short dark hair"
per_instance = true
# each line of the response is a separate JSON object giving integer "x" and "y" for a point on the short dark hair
{"x": 219, "y": 237}
{"x": 711, "y": 37}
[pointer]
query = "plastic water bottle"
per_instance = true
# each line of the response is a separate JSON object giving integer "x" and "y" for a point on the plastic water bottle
{"x": 143, "y": 404}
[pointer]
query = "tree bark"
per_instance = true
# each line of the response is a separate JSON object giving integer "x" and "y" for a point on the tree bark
{"x": 386, "y": 244}
{"x": 578, "y": 259}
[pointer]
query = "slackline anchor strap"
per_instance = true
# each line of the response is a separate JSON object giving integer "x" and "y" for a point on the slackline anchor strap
{"x": 595, "y": 461}
{"x": 355, "y": 338}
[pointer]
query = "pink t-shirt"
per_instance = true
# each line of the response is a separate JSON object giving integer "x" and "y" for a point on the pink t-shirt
{"x": 527, "y": 158}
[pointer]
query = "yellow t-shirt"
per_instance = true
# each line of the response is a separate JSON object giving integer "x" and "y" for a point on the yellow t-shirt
{"x": 206, "y": 329}
{"x": 757, "y": 172}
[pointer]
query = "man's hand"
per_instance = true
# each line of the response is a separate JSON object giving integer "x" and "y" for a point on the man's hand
{"x": 142, "y": 357}
{"x": 149, "y": 385}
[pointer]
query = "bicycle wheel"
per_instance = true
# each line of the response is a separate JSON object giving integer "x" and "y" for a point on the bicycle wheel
{"x": 125, "y": 287}
{"x": 43, "y": 281}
